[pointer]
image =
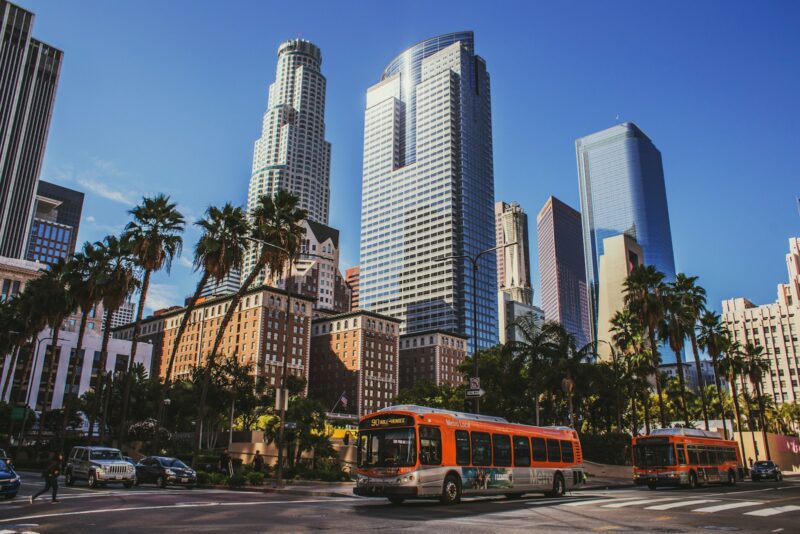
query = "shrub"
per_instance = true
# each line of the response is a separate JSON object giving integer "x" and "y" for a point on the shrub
{"x": 236, "y": 481}
{"x": 255, "y": 478}
{"x": 216, "y": 478}
{"x": 203, "y": 478}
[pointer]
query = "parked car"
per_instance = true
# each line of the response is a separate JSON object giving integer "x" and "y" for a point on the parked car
{"x": 98, "y": 466}
{"x": 163, "y": 471}
{"x": 765, "y": 469}
{"x": 9, "y": 480}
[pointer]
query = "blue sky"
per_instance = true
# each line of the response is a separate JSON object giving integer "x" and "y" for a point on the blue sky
{"x": 168, "y": 97}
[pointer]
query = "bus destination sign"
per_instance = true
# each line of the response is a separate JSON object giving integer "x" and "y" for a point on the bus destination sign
{"x": 386, "y": 421}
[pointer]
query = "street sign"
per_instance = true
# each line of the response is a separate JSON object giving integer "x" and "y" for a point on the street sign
{"x": 474, "y": 383}
{"x": 475, "y": 393}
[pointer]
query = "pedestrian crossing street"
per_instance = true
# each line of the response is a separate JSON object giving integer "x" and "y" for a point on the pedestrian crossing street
{"x": 705, "y": 505}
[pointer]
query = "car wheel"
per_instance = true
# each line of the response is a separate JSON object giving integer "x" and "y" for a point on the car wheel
{"x": 396, "y": 500}
{"x": 559, "y": 488}
{"x": 779, "y": 477}
{"x": 92, "y": 480}
{"x": 68, "y": 479}
{"x": 731, "y": 478}
{"x": 451, "y": 490}
{"x": 161, "y": 482}
{"x": 692, "y": 480}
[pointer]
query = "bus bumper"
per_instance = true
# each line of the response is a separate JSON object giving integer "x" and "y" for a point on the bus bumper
{"x": 661, "y": 479}
{"x": 385, "y": 491}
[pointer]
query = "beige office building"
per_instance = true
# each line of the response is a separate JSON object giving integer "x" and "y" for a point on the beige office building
{"x": 621, "y": 254}
{"x": 775, "y": 327}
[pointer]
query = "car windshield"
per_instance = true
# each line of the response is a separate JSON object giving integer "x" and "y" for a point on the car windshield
{"x": 654, "y": 455}
{"x": 109, "y": 454}
{"x": 395, "y": 447}
{"x": 763, "y": 464}
{"x": 172, "y": 462}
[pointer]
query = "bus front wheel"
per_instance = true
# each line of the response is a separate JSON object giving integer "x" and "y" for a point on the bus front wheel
{"x": 451, "y": 490}
{"x": 559, "y": 488}
{"x": 396, "y": 500}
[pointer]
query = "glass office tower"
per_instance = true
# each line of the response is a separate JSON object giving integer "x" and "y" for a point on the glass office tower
{"x": 621, "y": 180}
{"x": 428, "y": 191}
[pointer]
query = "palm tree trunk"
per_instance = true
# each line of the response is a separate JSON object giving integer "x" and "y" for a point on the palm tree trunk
{"x": 737, "y": 409}
{"x": 50, "y": 370}
{"x": 126, "y": 396}
{"x": 750, "y": 421}
{"x": 182, "y": 328}
{"x": 763, "y": 420}
{"x": 682, "y": 382}
{"x": 25, "y": 372}
{"x": 634, "y": 422}
{"x": 700, "y": 381}
{"x": 646, "y": 404}
{"x": 72, "y": 380}
{"x": 210, "y": 360}
{"x": 109, "y": 389}
{"x": 11, "y": 372}
{"x": 662, "y": 412}
{"x": 101, "y": 372}
{"x": 718, "y": 384}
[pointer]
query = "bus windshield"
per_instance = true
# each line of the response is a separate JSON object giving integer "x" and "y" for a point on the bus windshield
{"x": 654, "y": 455}
{"x": 394, "y": 447}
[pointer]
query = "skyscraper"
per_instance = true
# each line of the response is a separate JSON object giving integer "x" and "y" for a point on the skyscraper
{"x": 428, "y": 191}
{"x": 513, "y": 262}
{"x": 622, "y": 191}
{"x": 57, "y": 218}
{"x": 562, "y": 270}
{"x": 29, "y": 71}
{"x": 292, "y": 153}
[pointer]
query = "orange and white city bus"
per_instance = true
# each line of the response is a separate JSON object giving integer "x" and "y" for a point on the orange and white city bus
{"x": 685, "y": 457}
{"x": 417, "y": 452}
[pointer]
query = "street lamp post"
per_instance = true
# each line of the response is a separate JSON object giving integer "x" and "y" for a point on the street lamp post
{"x": 282, "y": 394}
{"x": 474, "y": 261}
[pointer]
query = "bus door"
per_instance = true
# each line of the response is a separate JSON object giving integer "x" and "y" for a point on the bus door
{"x": 431, "y": 474}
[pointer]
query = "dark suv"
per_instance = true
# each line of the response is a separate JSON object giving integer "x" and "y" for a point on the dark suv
{"x": 161, "y": 470}
{"x": 98, "y": 466}
{"x": 766, "y": 469}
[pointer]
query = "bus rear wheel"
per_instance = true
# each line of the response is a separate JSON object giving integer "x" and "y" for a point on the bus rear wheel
{"x": 451, "y": 490}
{"x": 396, "y": 500}
{"x": 559, "y": 488}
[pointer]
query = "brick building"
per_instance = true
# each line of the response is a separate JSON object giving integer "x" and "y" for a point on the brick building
{"x": 432, "y": 356}
{"x": 355, "y": 354}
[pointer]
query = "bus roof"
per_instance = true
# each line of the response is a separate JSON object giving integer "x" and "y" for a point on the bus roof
{"x": 413, "y": 408}
{"x": 680, "y": 431}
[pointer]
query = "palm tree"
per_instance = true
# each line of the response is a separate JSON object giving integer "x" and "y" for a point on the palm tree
{"x": 535, "y": 348}
{"x": 712, "y": 338}
{"x": 12, "y": 337}
{"x": 693, "y": 300}
{"x": 644, "y": 296}
{"x": 154, "y": 237}
{"x": 568, "y": 362}
{"x": 275, "y": 223}
{"x": 673, "y": 331}
{"x": 82, "y": 282}
{"x": 116, "y": 281}
{"x": 755, "y": 368}
{"x": 219, "y": 250}
{"x": 627, "y": 335}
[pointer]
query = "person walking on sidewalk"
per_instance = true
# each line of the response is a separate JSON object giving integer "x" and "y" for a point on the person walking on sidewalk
{"x": 258, "y": 462}
{"x": 50, "y": 476}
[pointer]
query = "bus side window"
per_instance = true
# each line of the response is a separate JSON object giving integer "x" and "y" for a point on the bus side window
{"x": 539, "y": 450}
{"x": 501, "y": 446}
{"x": 694, "y": 456}
{"x": 462, "y": 447}
{"x": 553, "y": 451}
{"x": 566, "y": 452}
{"x": 522, "y": 451}
{"x": 681, "y": 453}
{"x": 430, "y": 445}
{"x": 481, "y": 449}
{"x": 704, "y": 457}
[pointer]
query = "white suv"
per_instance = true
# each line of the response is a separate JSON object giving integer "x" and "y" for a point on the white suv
{"x": 98, "y": 465}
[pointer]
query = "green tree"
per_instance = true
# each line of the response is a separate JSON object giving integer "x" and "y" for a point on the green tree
{"x": 673, "y": 331}
{"x": 154, "y": 237}
{"x": 627, "y": 335}
{"x": 755, "y": 368}
{"x": 693, "y": 299}
{"x": 713, "y": 337}
{"x": 427, "y": 393}
{"x": 535, "y": 349}
{"x": 644, "y": 296}
{"x": 220, "y": 249}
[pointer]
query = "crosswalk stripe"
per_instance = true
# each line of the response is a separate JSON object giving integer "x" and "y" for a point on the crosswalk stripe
{"x": 584, "y": 502}
{"x": 634, "y": 503}
{"x": 680, "y": 504}
{"x": 728, "y": 506}
{"x": 765, "y": 512}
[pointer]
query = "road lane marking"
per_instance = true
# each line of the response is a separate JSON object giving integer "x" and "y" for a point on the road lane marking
{"x": 679, "y": 504}
{"x": 167, "y": 506}
{"x": 766, "y": 512}
{"x": 728, "y": 506}
{"x": 640, "y": 501}
{"x": 596, "y": 501}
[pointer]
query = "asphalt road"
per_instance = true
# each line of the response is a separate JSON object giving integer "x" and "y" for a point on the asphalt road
{"x": 748, "y": 507}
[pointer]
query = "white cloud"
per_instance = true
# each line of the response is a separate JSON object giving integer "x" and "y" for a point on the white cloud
{"x": 161, "y": 296}
{"x": 90, "y": 219}
{"x": 184, "y": 261}
{"x": 103, "y": 190}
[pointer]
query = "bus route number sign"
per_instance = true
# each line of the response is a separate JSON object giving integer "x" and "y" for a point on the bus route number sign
{"x": 386, "y": 421}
